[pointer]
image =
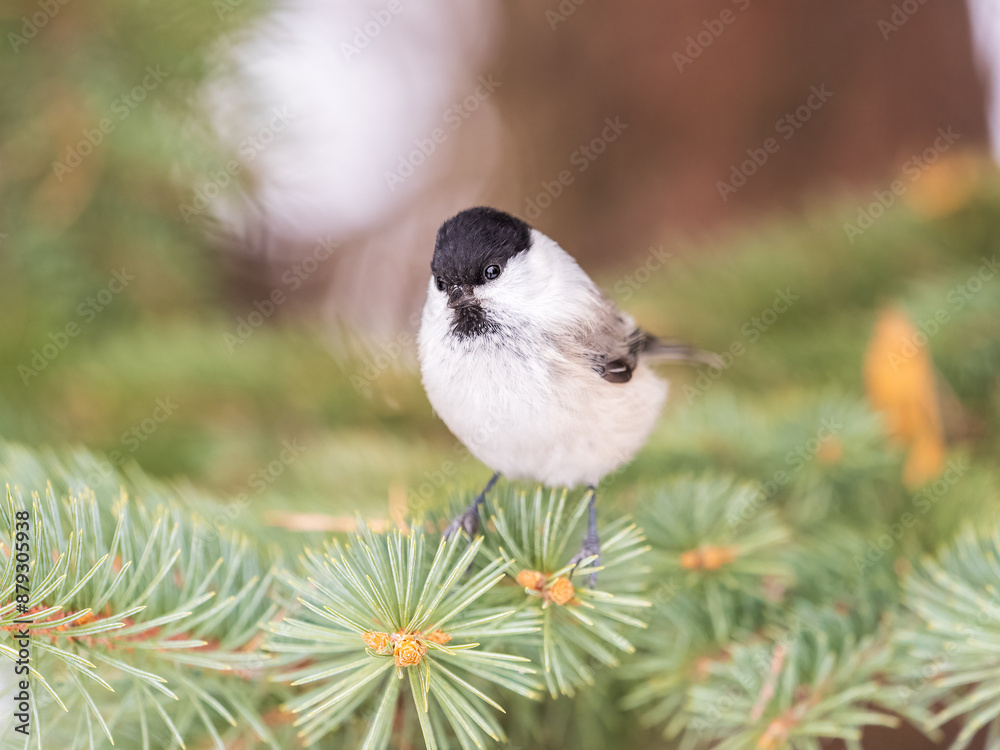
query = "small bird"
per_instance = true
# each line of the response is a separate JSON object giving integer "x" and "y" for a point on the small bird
{"x": 531, "y": 366}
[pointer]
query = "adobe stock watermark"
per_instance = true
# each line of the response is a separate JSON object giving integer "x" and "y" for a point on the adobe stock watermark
{"x": 419, "y": 498}
{"x": 707, "y": 722}
{"x": 258, "y": 481}
{"x": 922, "y": 678}
{"x": 87, "y": 311}
{"x": 786, "y": 126}
{"x": 454, "y": 117}
{"x": 901, "y": 13}
{"x": 752, "y": 330}
{"x": 225, "y": 7}
{"x": 630, "y": 283}
{"x": 913, "y": 168}
{"x": 370, "y": 30}
{"x": 249, "y": 149}
{"x": 702, "y": 40}
{"x": 795, "y": 459}
{"x": 373, "y": 366}
{"x": 582, "y": 158}
{"x": 380, "y": 361}
{"x": 122, "y": 106}
{"x": 292, "y": 279}
{"x": 665, "y": 591}
{"x": 31, "y": 25}
{"x": 563, "y": 11}
{"x": 922, "y": 502}
{"x": 130, "y": 440}
{"x": 957, "y": 298}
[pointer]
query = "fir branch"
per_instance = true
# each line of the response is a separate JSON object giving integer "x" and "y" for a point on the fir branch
{"x": 135, "y": 616}
{"x": 579, "y": 625}
{"x": 953, "y": 669}
{"x": 715, "y": 535}
{"x": 816, "y": 682}
{"x": 666, "y": 668}
{"x": 388, "y": 604}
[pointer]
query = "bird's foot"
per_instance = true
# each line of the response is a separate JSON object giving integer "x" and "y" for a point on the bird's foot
{"x": 591, "y": 547}
{"x": 468, "y": 520}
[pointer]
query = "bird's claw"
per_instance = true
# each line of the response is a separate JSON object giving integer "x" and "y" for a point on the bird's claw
{"x": 589, "y": 548}
{"x": 467, "y": 521}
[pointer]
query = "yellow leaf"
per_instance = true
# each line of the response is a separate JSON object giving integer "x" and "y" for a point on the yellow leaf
{"x": 899, "y": 378}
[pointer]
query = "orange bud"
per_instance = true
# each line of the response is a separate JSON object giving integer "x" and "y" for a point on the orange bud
{"x": 531, "y": 579}
{"x": 438, "y": 636}
{"x": 376, "y": 641}
{"x": 409, "y": 651}
{"x": 830, "y": 452}
{"x": 707, "y": 557}
{"x": 691, "y": 559}
{"x": 703, "y": 667}
{"x": 561, "y": 591}
{"x": 714, "y": 558}
{"x": 774, "y": 736}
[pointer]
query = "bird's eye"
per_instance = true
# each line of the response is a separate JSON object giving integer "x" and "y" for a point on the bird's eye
{"x": 439, "y": 283}
{"x": 491, "y": 272}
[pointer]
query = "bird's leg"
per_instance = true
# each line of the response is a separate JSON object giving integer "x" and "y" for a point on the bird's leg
{"x": 591, "y": 542}
{"x": 469, "y": 518}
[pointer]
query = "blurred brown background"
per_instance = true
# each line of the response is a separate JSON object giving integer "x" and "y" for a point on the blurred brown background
{"x": 555, "y": 72}
{"x": 688, "y": 127}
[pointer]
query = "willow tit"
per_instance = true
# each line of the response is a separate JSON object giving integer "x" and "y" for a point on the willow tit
{"x": 530, "y": 366}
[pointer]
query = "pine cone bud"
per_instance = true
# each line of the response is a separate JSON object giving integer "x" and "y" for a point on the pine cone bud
{"x": 531, "y": 579}
{"x": 376, "y": 641}
{"x": 438, "y": 636}
{"x": 714, "y": 558}
{"x": 707, "y": 557}
{"x": 409, "y": 651}
{"x": 561, "y": 591}
{"x": 691, "y": 559}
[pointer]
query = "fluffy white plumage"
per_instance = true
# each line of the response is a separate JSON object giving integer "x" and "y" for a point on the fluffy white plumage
{"x": 525, "y": 397}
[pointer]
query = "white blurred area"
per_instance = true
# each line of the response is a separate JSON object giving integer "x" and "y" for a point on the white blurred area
{"x": 8, "y": 683}
{"x": 363, "y": 84}
{"x": 984, "y": 18}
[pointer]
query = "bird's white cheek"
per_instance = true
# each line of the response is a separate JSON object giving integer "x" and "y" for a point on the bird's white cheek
{"x": 512, "y": 292}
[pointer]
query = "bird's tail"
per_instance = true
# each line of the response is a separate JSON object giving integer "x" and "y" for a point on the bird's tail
{"x": 676, "y": 351}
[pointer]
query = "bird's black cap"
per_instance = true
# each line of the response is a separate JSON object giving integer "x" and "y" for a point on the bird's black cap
{"x": 470, "y": 241}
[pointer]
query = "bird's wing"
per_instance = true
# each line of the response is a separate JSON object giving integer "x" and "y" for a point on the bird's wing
{"x": 612, "y": 344}
{"x": 609, "y": 341}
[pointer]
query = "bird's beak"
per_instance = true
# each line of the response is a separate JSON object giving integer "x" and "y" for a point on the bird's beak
{"x": 461, "y": 295}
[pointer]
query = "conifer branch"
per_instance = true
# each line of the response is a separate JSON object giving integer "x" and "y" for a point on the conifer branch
{"x": 385, "y": 606}
{"x": 135, "y": 611}
{"x": 579, "y": 624}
